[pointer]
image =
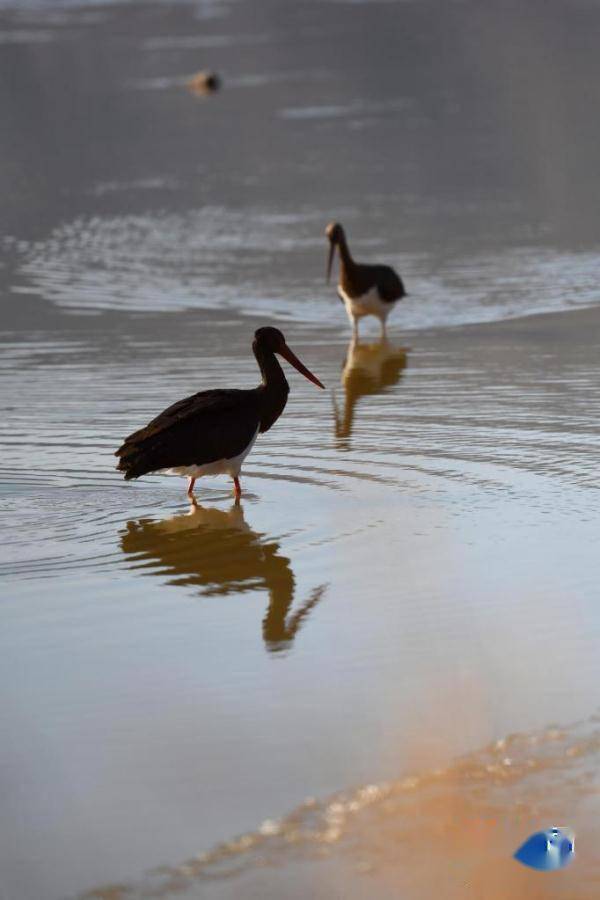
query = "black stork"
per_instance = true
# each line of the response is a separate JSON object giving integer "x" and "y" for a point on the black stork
{"x": 212, "y": 432}
{"x": 365, "y": 290}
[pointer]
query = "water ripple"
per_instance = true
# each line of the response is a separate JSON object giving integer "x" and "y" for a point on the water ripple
{"x": 177, "y": 261}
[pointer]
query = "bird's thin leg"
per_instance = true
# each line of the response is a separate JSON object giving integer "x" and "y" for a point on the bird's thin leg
{"x": 383, "y": 328}
{"x": 236, "y": 488}
{"x": 190, "y": 490}
{"x": 354, "y": 327}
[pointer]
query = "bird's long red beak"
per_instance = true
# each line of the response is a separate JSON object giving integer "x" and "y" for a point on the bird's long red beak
{"x": 330, "y": 260}
{"x": 295, "y": 362}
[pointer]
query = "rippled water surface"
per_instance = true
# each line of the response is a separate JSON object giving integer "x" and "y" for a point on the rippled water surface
{"x": 378, "y": 672}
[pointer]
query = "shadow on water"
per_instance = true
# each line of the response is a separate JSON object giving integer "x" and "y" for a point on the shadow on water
{"x": 368, "y": 369}
{"x": 217, "y": 551}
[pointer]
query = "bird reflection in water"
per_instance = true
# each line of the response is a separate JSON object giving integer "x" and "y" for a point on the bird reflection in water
{"x": 217, "y": 551}
{"x": 369, "y": 368}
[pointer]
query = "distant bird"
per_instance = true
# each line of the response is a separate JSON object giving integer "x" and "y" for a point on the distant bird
{"x": 365, "y": 290}
{"x": 212, "y": 432}
{"x": 204, "y": 83}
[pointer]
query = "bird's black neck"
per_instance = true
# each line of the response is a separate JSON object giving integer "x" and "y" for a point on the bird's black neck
{"x": 347, "y": 264}
{"x": 274, "y": 388}
{"x": 344, "y": 251}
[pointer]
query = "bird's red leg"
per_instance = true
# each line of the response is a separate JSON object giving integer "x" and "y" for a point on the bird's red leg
{"x": 236, "y": 488}
{"x": 190, "y": 490}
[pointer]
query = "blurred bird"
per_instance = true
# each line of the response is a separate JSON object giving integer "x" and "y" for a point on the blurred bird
{"x": 365, "y": 290}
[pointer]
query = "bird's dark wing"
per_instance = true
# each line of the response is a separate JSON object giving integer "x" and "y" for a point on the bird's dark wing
{"x": 203, "y": 428}
{"x": 364, "y": 278}
{"x": 389, "y": 284}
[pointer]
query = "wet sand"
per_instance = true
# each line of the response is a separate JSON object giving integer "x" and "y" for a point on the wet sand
{"x": 400, "y": 619}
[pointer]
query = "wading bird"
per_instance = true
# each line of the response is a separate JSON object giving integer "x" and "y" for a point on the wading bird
{"x": 212, "y": 432}
{"x": 364, "y": 290}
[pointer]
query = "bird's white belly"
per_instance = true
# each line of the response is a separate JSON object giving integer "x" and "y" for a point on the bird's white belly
{"x": 369, "y": 304}
{"x": 231, "y": 467}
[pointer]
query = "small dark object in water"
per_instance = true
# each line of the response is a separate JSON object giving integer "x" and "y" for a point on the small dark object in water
{"x": 204, "y": 82}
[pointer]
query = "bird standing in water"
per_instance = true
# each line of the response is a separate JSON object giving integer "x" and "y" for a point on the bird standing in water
{"x": 365, "y": 290}
{"x": 212, "y": 432}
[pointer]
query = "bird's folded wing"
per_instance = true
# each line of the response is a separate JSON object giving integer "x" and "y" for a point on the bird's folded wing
{"x": 200, "y": 429}
{"x": 389, "y": 284}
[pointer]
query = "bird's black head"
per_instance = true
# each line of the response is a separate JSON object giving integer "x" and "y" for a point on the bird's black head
{"x": 269, "y": 338}
{"x": 335, "y": 232}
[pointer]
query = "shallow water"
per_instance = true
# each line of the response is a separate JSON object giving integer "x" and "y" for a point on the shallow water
{"x": 411, "y": 577}
{"x": 457, "y": 823}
